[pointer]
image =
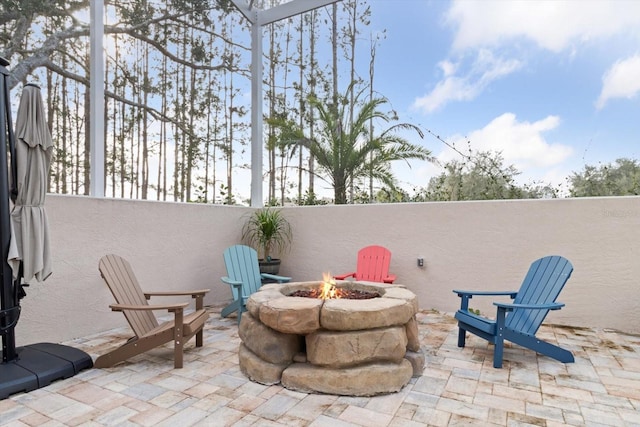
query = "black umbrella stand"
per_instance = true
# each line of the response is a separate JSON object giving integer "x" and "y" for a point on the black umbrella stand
{"x": 34, "y": 366}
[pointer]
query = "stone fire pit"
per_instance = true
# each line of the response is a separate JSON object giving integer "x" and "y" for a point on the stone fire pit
{"x": 354, "y": 347}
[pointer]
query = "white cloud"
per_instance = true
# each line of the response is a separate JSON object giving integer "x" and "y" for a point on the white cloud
{"x": 489, "y": 25}
{"x": 448, "y": 68}
{"x": 552, "y": 25}
{"x": 521, "y": 143}
{"x": 622, "y": 80}
{"x": 485, "y": 69}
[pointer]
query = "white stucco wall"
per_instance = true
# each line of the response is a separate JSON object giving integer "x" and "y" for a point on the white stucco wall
{"x": 489, "y": 245}
{"x": 465, "y": 245}
{"x": 169, "y": 245}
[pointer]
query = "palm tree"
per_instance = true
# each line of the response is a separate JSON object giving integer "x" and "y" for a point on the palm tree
{"x": 346, "y": 151}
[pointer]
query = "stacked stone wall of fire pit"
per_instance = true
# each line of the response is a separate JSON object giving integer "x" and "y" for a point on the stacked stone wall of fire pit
{"x": 354, "y": 347}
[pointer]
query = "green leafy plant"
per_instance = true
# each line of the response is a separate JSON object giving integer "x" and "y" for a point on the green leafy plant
{"x": 267, "y": 229}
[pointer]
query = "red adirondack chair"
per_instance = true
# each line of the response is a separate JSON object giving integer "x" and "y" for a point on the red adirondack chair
{"x": 372, "y": 266}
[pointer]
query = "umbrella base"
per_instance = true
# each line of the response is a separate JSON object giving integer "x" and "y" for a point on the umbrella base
{"x": 38, "y": 365}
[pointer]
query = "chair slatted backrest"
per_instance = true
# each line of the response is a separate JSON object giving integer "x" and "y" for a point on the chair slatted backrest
{"x": 373, "y": 263}
{"x": 242, "y": 265}
{"x": 117, "y": 273}
{"x": 542, "y": 285}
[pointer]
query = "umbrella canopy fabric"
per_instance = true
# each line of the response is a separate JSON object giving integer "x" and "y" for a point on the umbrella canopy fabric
{"x": 33, "y": 151}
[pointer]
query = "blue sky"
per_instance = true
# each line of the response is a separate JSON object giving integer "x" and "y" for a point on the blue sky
{"x": 553, "y": 85}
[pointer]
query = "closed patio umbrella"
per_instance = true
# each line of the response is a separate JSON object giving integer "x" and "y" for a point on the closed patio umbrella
{"x": 28, "y": 217}
{"x": 36, "y": 365}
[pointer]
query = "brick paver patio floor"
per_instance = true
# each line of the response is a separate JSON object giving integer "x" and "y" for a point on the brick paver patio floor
{"x": 458, "y": 386}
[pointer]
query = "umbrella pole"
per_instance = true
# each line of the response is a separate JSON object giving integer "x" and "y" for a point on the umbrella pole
{"x": 9, "y": 309}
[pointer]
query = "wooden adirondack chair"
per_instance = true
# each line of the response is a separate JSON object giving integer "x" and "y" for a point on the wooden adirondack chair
{"x": 519, "y": 322}
{"x": 244, "y": 277}
{"x": 372, "y": 265}
{"x": 149, "y": 333}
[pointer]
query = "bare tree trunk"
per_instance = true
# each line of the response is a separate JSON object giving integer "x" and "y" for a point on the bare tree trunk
{"x": 302, "y": 104}
{"x": 339, "y": 187}
{"x": 191, "y": 139}
{"x": 207, "y": 142}
{"x": 135, "y": 128}
{"x": 352, "y": 6}
{"x": 283, "y": 107}
{"x": 230, "y": 149}
{"x": 371, "y": 74}
{"x": 123, "y": 157}
{"x": 179, "y": 137}
{"x": 50, "y": 116}
{"x": 114, "y": 122}
{"x": 162, "y": 149}
{"x": 52, "y": 96}
{"x": 334, "y": 54}
{"x": 77, "y": 138}
{"x": 229, "y": 107}
{"x": 312, "y": 90}
{"x": 145, "y": 126}
{"x": 215, "y": 135}
{"x": 271, "y": 95}
{"x": 64, "y": 135}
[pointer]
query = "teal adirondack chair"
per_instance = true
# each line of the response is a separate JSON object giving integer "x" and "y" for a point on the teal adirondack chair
{"x": 244, "y": 277}
{"x": 518, "y": 322}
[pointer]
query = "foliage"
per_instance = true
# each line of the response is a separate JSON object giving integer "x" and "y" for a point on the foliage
{"x": 166, "y": 92}
{"x": 619, "y": 179}
{"x": 33, "y": 33}
{"x": 482, "y": 176}
{"x": 397, "y": 195}
{"x": 267, "y": 229}
{"x": 310, "y": 198}
{"x": 383, "y": 195}
{"x": 345, "y": 150}
{"x": 175, "y": 75}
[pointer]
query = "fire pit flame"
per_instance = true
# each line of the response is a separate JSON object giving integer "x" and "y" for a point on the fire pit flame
{"x": 328, "y": 288}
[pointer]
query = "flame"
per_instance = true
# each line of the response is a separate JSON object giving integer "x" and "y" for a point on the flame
{"x": 328, "y": 287}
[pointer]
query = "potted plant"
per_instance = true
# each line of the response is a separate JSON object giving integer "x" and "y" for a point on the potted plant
{"x": 267, "y": 230}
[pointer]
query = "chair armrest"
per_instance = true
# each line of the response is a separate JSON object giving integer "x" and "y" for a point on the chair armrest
{"x": 549, "y": 306}
{"x": 170, "y": 307}
{"x": 511, "y": 294}
{"x": 279, "y": 279}
{"x": 465, "y": 296}
{"x": 234, "y": 283}
{"x": 194, "y": 294}
{"x": 390, "y": 278}
{"x": 344, "y": 276}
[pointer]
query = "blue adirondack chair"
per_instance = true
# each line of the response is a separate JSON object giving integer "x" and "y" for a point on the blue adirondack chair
{"x": 244, "y": 277}
{"x": 519, "y": 322}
